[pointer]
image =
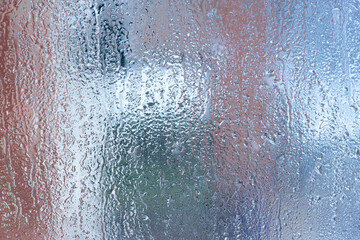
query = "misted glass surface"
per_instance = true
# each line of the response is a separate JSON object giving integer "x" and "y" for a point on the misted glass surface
{"x": 185, "y": 119}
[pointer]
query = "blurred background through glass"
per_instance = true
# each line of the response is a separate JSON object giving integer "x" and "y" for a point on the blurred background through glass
{"x": 179, "y": 119}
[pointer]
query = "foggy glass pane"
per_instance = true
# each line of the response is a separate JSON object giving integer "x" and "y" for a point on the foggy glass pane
{"x": 218, "y": 119}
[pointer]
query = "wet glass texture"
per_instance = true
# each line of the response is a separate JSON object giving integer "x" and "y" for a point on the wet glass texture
{"x": 219, "y": 119}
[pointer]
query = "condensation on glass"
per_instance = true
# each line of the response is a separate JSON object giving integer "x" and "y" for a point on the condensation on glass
{"x": 179, "y": 119}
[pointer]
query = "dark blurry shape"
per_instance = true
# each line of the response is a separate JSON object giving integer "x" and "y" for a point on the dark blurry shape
{"x": 113, "y": 45}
